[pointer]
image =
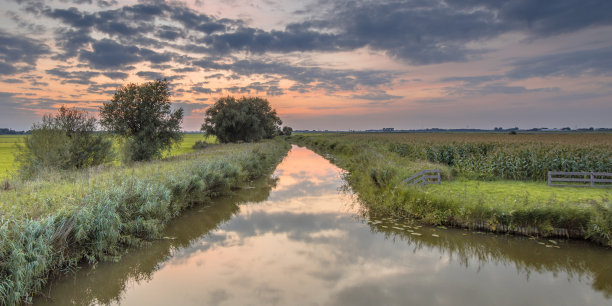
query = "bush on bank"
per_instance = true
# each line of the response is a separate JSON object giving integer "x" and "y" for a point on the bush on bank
{"x": 377, "y": 175}
{"x": 106, "y": 211}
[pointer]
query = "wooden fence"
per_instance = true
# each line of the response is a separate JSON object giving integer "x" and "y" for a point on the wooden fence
{"x": 579, "y": 179}
{"x": 425, "y": 177}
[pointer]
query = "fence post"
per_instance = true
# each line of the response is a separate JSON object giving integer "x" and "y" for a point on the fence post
{"x": 549, "y": 177}
{"x": 592, "y": 179}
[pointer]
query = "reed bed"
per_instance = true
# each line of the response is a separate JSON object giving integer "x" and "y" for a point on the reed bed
{"x": 60, "y": 219}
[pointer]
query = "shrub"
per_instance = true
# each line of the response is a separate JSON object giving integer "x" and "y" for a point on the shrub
{"x": 65, "y": 141}
{"x": 200, "y": 144}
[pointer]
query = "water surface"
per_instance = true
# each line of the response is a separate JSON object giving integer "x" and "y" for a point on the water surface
{"x": 297, "y": 239}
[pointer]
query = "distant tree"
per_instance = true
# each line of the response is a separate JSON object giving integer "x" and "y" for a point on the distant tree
{"x": 246, "y": 119}
{"x": 287, "y": 130}
{"x": 67, "y": 140}
{"x": 141, "y": 114}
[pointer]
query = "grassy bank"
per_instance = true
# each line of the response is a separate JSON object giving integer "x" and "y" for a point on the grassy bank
{"x": 52, "y": 223}
{"x": 476, "y": 198}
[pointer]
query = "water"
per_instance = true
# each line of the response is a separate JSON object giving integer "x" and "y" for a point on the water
{"x": 298, "y": 240}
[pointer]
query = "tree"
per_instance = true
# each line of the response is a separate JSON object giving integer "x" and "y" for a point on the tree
{"x": 287, "y": 130}
{"x": 67, "y": 140}
{"x": 246, "y": 119}
{"x": 141, "y": 113}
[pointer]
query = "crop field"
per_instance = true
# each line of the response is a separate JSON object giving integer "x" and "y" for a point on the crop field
{"x": 491, "y": 156}
{"x": 8, "y": 149}
{"x": 490, "y": 181}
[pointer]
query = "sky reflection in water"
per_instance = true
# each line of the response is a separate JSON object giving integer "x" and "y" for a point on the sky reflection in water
{"x": 303, "y": 243}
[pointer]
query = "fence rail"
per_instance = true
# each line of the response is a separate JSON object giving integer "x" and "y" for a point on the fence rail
{"x": 579, "y": 179}
{"x": 424, "y": 177}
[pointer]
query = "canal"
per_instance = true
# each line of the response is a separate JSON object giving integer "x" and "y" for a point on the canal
{"x": 300, "y": 238}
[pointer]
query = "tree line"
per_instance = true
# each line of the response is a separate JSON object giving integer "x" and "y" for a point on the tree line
{"x": 141, "y": 119}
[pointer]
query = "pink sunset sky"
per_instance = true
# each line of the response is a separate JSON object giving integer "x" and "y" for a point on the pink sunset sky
{"x": 321, "y": 64}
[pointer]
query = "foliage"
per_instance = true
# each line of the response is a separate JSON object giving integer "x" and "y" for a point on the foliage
{"x": 200, "y": 144}
{"x": 65, "y": 141}
{"x": 377, "y": 164}
{"x": 48, "y": 226}
{"x": 142, "y": 115}
{"x": 287, "y": 130}
{"x": 245, "y": 119}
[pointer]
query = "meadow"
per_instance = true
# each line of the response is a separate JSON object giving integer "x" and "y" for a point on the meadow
{"x": 8, "y": 148}
{"x": 490, "y": 181}
{"x": 61, "y": 218}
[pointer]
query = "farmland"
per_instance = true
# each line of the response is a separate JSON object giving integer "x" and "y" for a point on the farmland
{"x": 490, "y": 181}
{"x": 8, "y": 149}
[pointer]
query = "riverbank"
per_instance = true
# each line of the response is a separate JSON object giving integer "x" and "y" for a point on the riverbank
{"x": 377, "y": 164}
{"x": 51, "y": 224}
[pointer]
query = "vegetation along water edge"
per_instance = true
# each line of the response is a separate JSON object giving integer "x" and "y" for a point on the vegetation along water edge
{"x": 61, "y": 218}
{"x": 494, "y": 182}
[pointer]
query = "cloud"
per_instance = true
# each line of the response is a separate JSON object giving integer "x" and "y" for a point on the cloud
{"x": 153, "y": 75}
{"x": 540, "y": 18}
{"x": 376, "y": 96}
{"x": 116, "y": 75}
{"x": 108, "y": 54}
{"x": 309, "y": 78}
{"x": 73, "y": 77}
{"x": 18, "y": 53}
{"x": 567, "y": 64}
{"x": 496, "y": 88}
{"x": 13, "y": 81}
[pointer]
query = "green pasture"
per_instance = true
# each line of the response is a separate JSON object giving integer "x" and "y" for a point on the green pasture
{"x": 8, "y": 148}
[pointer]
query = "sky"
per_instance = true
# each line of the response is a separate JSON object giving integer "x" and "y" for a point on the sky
{"x": 322, "y": 64}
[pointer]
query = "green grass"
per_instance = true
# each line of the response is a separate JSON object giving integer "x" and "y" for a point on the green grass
{"x": 189, "y": 140}
{"x": 61, "y": 218}
{"x": 377, "y": 173}
{"x": 8, "y": 150}
{"x": 508, "y": 192}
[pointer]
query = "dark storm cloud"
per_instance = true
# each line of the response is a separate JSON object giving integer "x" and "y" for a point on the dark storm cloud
{"x": 18, "y": 53}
